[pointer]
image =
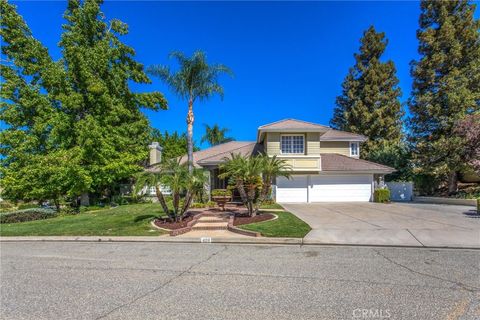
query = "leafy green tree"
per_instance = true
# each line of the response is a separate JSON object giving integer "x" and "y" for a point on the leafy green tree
{"x": 80, "y": 107}
{"x": 174, "y": 144}
{"x": 396, "y": 155}
{"x": 47, "y": 177}
{"x": 369, "y": 104}
{"x": 215, "y": 135}
{"x": 195, "y": 80}
{"x": 468, "y": 129}
{"x": 446, "y": 86}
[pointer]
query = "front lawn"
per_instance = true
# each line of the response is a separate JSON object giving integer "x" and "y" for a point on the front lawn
{"x": 128, "y": 220}
{"x": 271, "y": 206}
{"x": 287, "y": 225}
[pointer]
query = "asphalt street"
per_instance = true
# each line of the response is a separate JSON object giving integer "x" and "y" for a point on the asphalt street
{"x": 60, "y": 280}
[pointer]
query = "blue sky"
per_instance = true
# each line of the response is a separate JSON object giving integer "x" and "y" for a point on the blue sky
{"x": 289, "y": 58}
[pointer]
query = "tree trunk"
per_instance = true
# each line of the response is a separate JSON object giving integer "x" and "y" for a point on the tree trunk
{"x": 186, "y": 204}
{"x": 241, "y": 191}
{"x": 57, "y": 204}
{"x": 161, "y": 199}
{"x": 452, "y": 183}
{"x": 176, "y": 203}
{"x": 190, "y": 120}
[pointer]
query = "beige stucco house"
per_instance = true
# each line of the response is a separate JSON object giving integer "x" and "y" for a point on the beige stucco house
{"x": 325, "y": 162}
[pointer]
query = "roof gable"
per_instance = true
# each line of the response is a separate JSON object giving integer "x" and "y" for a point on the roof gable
{"x": 292, "y": 124}
{"x": 338, "y": 135}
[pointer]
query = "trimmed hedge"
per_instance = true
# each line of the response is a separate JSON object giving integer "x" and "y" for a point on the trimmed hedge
{"x": 381, "y": 195}
{"x": 221, "y": 193}
{"x": 27, "y": 215}
{"x": 200, "y": 205}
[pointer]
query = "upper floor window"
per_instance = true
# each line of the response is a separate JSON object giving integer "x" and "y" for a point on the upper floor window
{"x": 354, "y": 149}
{"x": 292, "y": 144}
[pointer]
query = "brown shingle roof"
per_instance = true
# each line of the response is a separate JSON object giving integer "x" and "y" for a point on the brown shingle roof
{"x": 335, "y": 135}
{"x": 210, "y": 152}
{"x": 215, "y": 150}
{"x": 338, "y": 162}
{"x": 246, "y": 150}
{"x": 292, "y": 124}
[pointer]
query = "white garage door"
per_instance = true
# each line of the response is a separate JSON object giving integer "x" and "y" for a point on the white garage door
{"x": 340, "y": 188}
{"x": 324, "y": 188}
{"x": 293, "y": 190}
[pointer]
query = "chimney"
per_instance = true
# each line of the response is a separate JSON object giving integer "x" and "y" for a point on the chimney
{"x": 155, "y": 153}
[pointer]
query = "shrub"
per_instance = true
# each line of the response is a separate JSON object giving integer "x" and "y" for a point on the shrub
{"x": 211, "y": 204}
{"x": 269, "y": 202}
{"x": 27, "y": 206}
{"x": 478, "y": 205}
{"x": 69, "y": 210}
{"x": 198, "y": 205}
{"x": 381, "y": 195}
{"x": 27, "y": 215}
{"x": 221, "y": 193}
{"x": 6, "y": 206}
{"x": 425, "y": 185}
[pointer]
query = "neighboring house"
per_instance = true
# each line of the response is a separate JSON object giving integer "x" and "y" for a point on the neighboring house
{"x": 325, "y": 162}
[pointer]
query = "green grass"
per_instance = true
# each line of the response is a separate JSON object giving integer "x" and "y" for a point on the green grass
{"x": 128, "y": 220}
{"x": 271, "y": 206}
{"x": 287, "y": 225}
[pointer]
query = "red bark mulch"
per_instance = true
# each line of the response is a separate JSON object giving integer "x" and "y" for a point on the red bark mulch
{"x": 243, "y": 218}
{"x": 165, "y": 223}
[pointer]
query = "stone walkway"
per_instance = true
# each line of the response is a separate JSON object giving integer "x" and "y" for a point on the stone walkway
{"x": 212, "y": 226}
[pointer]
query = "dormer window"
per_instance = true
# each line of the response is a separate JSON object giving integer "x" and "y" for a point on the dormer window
{"x": 292, "y": 144}
{"x": 354, "y": 149}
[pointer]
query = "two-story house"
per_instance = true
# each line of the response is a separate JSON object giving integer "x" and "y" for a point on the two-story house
{"x": 325, "y": 162}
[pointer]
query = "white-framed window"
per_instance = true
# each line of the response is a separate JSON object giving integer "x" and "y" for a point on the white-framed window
{"x": 152, "y": 191}
{"x": 163, "y": 189}
{"x": 354, "y": 149}
{"x": 292, "y": 144}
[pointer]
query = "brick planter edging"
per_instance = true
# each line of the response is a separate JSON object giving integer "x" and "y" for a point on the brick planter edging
{"x": 186, "y": 229}
{"x": 234, "y": 229}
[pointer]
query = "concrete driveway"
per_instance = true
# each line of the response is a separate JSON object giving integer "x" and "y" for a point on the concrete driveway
{"x": 402, "y": 224}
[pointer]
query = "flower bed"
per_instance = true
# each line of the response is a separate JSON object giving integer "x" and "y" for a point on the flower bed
{"x": 244, "y": 219}
{"x": 167, "y": 224}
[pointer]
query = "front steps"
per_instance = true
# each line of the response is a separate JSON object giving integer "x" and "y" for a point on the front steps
{"x": 212, "y": 222}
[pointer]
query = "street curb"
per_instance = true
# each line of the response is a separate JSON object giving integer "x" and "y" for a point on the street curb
{"x": 257, "y": 240}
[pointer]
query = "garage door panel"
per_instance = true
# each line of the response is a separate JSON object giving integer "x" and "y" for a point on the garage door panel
{"x": 340, "y": 188}
{"x": 324, "y": 188}
{"x": 292, "y": 190}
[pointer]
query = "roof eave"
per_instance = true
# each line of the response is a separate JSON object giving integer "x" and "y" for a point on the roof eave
{"x": 261, "y": 131}
{"x": 361, "y": 171}
{"x": 361, "y": 139}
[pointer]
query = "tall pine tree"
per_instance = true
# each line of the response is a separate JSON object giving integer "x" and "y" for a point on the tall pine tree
{"x": 446, "y": 86}
{"x": 369, "y": 103}
{"x": 77, "y": 114}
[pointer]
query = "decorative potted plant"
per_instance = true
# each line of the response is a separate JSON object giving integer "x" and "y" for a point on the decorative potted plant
{"x": 221, "y": 197}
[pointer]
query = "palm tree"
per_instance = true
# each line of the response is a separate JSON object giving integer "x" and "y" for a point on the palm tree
{"x": 147, "y": 179}
{"x": 215, "y": 135}
{"x": 195, "y": 79}
{"x": 253, "y": 177}
{"x": 272, "y": 167}
{"x": 180, "y": 181}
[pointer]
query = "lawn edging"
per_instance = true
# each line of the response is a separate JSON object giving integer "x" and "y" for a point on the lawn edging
{"x": 234, "y": 229}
